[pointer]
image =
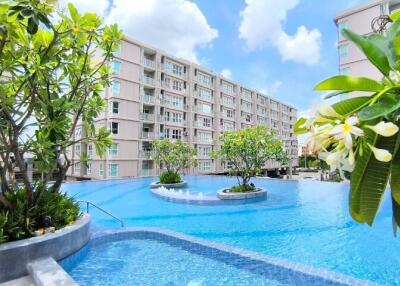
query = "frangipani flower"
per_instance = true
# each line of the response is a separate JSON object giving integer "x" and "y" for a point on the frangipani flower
{"x": 386, "y": 129}
{"x": 345, "y": 130}
{"x": 340, "y": 159}
{"x": 381, "y": 154}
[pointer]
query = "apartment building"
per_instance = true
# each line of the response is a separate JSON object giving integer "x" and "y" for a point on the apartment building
{"x": 359, "y": 20}
{"x": 155, "y": 95}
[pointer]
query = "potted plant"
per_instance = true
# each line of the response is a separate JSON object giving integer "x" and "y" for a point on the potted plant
{"x": 246, "y": 152}
{"x": 172, "y": 157}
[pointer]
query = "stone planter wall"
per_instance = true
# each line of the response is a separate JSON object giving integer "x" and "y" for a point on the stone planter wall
{"x": 168, "y": 186}
{"x": 15, "y": 256}
{"x": 223, "y": 194}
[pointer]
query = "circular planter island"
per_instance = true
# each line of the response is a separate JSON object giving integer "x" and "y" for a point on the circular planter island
{"x": 225, "y": 194}
{"x": 156, "y": 185}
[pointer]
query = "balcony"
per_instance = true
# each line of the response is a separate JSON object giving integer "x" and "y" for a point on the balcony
{"x": 169, "y": 103}
{"x": 172, "y": 122}
{"x": 170, "y": 87}
{"x": 145, "y": 154}
{"x": 203, "y": 140}
{"x": 246, "y": 97}
{"x": 148, "y": 98}
{"x": 205, "y": 83}
{"x": 147, "y": 117}
{"x": 201, "y": 124}
{"x": 146, "y": 135}
{"x": 147, "y": 172}
{"x": 200, "y": 109}
{"x": 148, "y": 63}
{"x": 247, "y": 121}
{"x": 205, "y": 97}
{"x": 246, "y": 108}
{"x": 147, "y": 80}
{"x": 227, "y": 103}
{"x": 227, "y": 128}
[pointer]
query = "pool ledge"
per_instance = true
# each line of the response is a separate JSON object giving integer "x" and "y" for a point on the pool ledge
{"x": 15, "y": 256}
{"x": 270, "y": 267}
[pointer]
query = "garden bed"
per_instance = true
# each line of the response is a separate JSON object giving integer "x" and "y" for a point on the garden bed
{"x": 226, "y": 194}
{"x": 168, "y": 186}
{"x": 14, "y": 256}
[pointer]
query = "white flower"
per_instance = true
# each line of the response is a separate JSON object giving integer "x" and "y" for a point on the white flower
{"x": 394, "y": 76}
{"x": 339, "y": 159}
{"x": 325, "y": 114}
{"x": 345, "y": 130}
{"x": 386, "y": 129}
{"x": 381, "y": 154}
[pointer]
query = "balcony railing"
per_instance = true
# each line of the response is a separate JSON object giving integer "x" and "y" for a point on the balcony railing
{"x": 203, "y": 96}
{"x": 146, "y": 154}
{"x": 148, "y": 98}
{"x": 209, "y": 84}
{"x": 172, "y": 122}
{"x": 147, "y": 80}
{"x": 228, "y": 103}
{"x": 199, "y": 123}
{"x": 246, "y": 97}
{"x": 147, "y": 116}
{"x": 246, "y": 108}
{"x": 146, "y": 135}
{"x": 203, "y": 140}
{"x": 227, "y": 128}
{"x": 199, "y": 108}
{"x": 164, "y": 101}
{"x": 148, "y": 62}
{"x": 147, "y": 172}
{"x": 169, "y": 86}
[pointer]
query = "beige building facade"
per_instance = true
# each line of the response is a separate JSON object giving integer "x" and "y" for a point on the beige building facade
{"x": 359, "y": 20}
{"x": 155, "y": 95}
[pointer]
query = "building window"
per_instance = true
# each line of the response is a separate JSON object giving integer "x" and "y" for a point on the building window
{"x": 343, "y": 51}
{"x": 114, "y": 107}
{"x": 177, "y": 85}
{"x": 77, "y": 150}
{"x": 204, "y": 165}
{"x": 90, "y": 150}
{"x": 116, "y": 86}
{"x": 113, "y": 170}
{"x": 88, "y": 168}
{"x": 206, "y": 108}
{"x": 114, "y": 127}
{"x": 113, "y": 150}
{"x": 116, "y": 67}
{"x": 229, "y": 113}
{"x": 78, "y": 132}
{"x": 204, "y": 79}
{"x": 101, "y": 169}
{"x": 174, "y": 68}
{"x": 77, "y": 168}
{"x": 342, "y": 25}
{"x": 227, "y": 88}
{"x": 204, "y": 151}
{"x": 206, "y": 122}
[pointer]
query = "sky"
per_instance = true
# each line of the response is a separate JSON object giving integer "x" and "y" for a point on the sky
{"x": 282, "y": 48}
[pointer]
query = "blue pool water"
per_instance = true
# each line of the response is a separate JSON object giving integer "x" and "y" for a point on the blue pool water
{"x": 301, "y": 221}
{"x": 149, "y": 262}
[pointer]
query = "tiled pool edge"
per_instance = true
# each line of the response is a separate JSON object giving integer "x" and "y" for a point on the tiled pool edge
{"x": 270, "y": 267}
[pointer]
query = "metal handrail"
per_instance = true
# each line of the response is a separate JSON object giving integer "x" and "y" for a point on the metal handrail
{"x": 103, "y": 210}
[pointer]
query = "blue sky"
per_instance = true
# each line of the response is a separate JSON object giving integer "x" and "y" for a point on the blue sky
{"x": 264, "y": 69}
{"x": 283, "y": 48}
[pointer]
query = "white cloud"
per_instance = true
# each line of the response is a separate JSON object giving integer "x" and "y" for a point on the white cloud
{"x": 94, "y": 6}
{"x": 177, "y": 26}
{"x": 227, "y": 73}
{"x": 262, "y": 26}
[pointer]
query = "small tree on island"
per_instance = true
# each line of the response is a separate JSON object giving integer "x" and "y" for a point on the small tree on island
{"x": 246, "y": 151}
{"x": 53, "y": 71}
{"x": 173, "y": 157}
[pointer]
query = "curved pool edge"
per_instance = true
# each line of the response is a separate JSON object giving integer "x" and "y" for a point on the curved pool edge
{"x": 271, "y": 267}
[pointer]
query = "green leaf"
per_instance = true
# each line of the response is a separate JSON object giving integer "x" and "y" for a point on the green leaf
{"x": 351, "y": 105}
{"x": 386, "y": 105}
{"x": 73, "y": 12}
{"x": 371, "y": 49}
{"x": 395, "y": 185}
{"x": 394, "y": 16}
{"x": 347, "y": 83}
{"x": 298, "y": 129}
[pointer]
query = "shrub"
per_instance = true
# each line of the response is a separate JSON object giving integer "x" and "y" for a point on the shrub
{"x": 170, "y": 177}
{"x": 242, "y": 189}
{"x": 53, "y": 209}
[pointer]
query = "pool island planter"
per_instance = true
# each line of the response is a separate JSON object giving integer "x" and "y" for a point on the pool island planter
{"x": 156, "y": 185}
{"x": 16, "y": 255}
{"x": 225, "y": 194}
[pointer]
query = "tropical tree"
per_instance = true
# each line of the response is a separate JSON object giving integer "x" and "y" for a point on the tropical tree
{"x": 360, "y": 134}
{"x": 173, "y": 157}
{"x": 53, "y": 69}
{"x": 247, "y": 151}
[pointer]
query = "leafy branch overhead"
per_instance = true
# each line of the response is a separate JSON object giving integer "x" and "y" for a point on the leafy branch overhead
{"x": 54, "y": 69}
{"x": 361, "y": 133}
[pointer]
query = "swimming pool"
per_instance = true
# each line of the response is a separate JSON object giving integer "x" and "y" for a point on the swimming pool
{"x": 301, "y": 221}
